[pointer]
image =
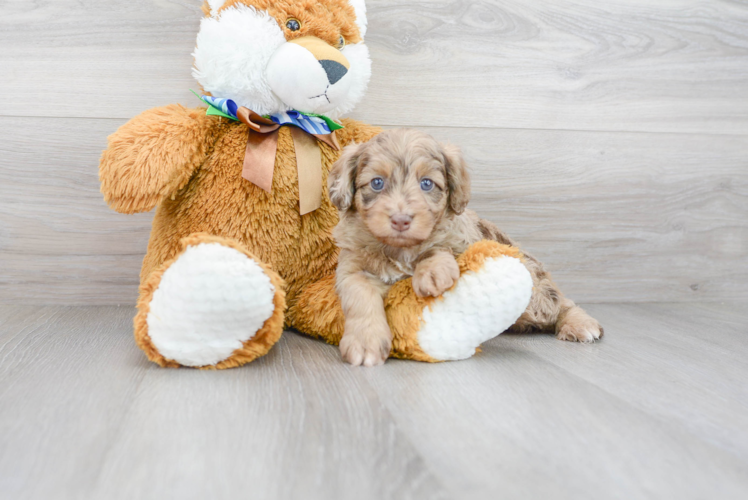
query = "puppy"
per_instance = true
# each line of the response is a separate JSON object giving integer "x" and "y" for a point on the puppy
{"x": 402, "y": 199}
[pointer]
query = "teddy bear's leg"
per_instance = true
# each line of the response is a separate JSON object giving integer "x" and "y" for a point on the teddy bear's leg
{"x": 318, "y": 313}
{"x": 494, "y": 289}
{"x": 212, "y": 306}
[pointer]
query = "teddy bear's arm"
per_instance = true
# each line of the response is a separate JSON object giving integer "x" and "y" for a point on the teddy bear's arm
{"x": 356, "y": 132}
{"x": 153, "y": 155}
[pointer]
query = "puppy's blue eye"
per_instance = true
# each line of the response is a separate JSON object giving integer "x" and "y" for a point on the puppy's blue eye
{"x": 427, "y": 184}
{"x": 377, "y": 184}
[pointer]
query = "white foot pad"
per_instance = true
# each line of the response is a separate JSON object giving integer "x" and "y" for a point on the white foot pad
{"x": 481, "y": 306}
{"x": 209, "y": 302}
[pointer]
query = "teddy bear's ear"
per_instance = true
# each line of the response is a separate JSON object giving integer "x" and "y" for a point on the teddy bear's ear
{"x": 210, "y": 7}
{"x": 360, "y": 7}
{"x": 342, "y": 179}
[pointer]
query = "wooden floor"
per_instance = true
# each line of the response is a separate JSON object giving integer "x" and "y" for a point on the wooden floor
{"x": 658, "y": 409}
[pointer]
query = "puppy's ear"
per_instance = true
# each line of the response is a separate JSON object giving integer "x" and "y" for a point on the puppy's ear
{"x": 458, "y": 178}
{"x": 342, "y": 178}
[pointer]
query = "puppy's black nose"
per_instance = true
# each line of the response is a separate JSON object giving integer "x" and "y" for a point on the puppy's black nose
{"x": 401, "y": 222}
{"x": 335, "y": 71}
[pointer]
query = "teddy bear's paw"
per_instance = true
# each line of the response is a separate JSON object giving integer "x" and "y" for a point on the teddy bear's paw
{"x": 483, "y": 304}
{"x": 209, "y": 302}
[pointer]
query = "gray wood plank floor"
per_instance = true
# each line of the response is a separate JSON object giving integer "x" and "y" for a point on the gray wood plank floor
{"x": 658, "y": 409}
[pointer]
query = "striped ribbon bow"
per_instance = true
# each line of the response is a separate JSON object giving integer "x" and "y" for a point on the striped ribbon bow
{"x": 262, "y": 146}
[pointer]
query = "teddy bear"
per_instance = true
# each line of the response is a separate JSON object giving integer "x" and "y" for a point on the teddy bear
{"x": 241, "y": 245}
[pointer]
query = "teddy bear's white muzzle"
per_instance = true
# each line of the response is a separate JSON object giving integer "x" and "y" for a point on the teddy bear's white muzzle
{"x": 309, "y": 76}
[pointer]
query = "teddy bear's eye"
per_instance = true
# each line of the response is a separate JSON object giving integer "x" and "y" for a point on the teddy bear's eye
{"x": 293, "y": 24}
{"x": 341, "y": 42}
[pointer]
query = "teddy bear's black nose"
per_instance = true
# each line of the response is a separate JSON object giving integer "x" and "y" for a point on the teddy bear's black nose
{"x": 335, "y": 71}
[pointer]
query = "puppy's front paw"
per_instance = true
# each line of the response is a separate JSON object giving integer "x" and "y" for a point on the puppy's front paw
{"x": 368, "y": 348}
{"x": 435, "y": 276}
{"x": 578, "y": 326}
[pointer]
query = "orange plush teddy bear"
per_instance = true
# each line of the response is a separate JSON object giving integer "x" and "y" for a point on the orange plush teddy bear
{"x": 242, "y": 244}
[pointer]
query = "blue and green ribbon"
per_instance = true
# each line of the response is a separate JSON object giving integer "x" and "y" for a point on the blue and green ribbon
{"x": 309, "y": 122}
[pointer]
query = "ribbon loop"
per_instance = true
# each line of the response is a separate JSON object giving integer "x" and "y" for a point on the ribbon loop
{"x": 262, "y": 146}
{"x": 256, "y": 122}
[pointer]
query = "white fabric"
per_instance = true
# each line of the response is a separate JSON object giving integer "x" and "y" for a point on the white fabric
{"x": 481, "y": 306}
{"x": 209, "y": 302}
{"x": 298, "y": 79}
{"x": 359, "y": 75}
{"x": 215, "y": 5}
{"x": 360, "y": 7}
{"x": 231, "y": 54}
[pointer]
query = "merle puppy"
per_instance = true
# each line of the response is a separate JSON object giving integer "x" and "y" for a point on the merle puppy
{"x": 402, "y": 198}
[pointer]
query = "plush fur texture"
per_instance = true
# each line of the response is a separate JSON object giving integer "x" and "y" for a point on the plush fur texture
{"x": 256, "y": 346}
{"x": 154, "y": 155}
{"x": 231, "y": 55}
{"x": 326, "y": 19}
{"x": 218, "y": 201}
{"x": 210, "y": 7}
{"x": 489, "y": 300}
{"x": 361, "y": 21}
{"x": 193, "y": 173}
{"x": 209, "y": 302}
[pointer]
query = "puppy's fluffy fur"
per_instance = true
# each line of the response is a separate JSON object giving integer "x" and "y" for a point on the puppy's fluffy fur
{"x": 402, "y": 198}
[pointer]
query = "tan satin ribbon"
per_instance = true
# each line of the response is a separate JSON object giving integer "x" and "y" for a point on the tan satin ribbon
{"x": 262, "y": 146}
